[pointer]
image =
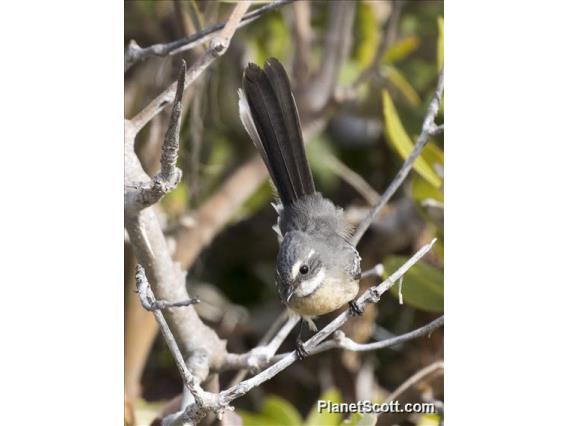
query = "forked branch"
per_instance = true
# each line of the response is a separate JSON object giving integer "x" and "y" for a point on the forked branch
{"x": 149, "y": 302}
{"x": 134, "y": 53}
{"x": 169, "y": 175}
{"x": 219, "y": 402}
{"x": 217, "y": 47}
{"x": 429, "y": 128}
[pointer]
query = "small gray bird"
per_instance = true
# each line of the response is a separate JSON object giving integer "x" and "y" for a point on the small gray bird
{"x": 317, "y": 269}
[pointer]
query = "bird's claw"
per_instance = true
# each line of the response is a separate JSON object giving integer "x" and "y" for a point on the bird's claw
{"x": 301, "y": 352}
{"x": 355, "y": 309}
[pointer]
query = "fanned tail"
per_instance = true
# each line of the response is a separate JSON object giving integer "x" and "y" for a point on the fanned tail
{"x": 269, "y": 114}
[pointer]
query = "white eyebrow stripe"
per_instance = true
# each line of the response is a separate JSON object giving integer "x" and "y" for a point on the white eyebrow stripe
{"x": 309, "y": 286}
{"x": 296, "y": 268}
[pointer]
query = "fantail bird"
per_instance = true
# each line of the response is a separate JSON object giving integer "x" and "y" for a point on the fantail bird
{"x": 317, "y": 269}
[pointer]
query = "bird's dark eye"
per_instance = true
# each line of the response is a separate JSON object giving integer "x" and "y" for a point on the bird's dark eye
{"x": 304, "y": 269}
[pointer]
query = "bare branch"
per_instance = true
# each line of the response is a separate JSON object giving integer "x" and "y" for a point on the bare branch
{"x": 149, "y": 243}
{"x": 419, "y": 376}
{"x": 147, "y": 298}
{"x": 342, "y": 341}
{"x": 169, "y": 175}
{"x": 146, "y": 235}
{"x": 352, "y": 178}
{"x": 437, "y": 130}
{"x": 274, "y": 330}
{"x": 372, "y": 295}
{"x": 218, "y": 47}
{"x": 220, "y": 402}
{"x": 134, "y": 53}
{"x": 214, "y": 213}
{"x": 428, "y": 127}
{"x": 321, "y": 86}
{"x": 224, "y": 37}
{"x": 148, "y": 301}
{"x": 302, "y": 36}
{"x": 198, "y": 342}
{"x": 263, "y": 354}
{"x": 376, "y": 271}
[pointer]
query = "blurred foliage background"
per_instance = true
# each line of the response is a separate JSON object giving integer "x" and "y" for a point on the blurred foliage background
{"x": 364, "y": 132}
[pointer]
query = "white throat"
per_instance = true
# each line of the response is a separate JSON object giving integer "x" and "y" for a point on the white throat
{"x": 307, "y": 287}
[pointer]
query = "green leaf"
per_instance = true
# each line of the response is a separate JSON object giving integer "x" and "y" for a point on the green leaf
{"x": 429, "y": 420}
{"x": 434, "y": 156}
{"x": 366, "y": 35}
{"x": 325, "y": 418}
{"x": 422, "y": 287}
{"x": 146, "y": 412}
{"x": 252, "y": 419}
{"x": 276, "y": 411}
{"x": 399, "y": 139}
{"x": 280, "y": 409}
{"x": 401, "y": 49}
{"x": 423, "y": 190}
{"x": 401, "y": 84}
{"x": 440, "y": 49}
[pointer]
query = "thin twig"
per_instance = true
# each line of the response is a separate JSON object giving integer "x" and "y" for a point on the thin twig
{"x": 344, "y": 342}
{"x": 258, "y": 357}
{"x": 204, "y": 401}
{"x": 351, "y": 177}
{"x": 274, "y": 330}
{"x": 413, "y": 380}
{"x": 437, "y": 130}
{"x": 149, "y": 302}
{"x": 376, "y": 271}
{"x": 220, "y": 207}
{"x": 428, "y": 127}
{"x": 147, "y": 298}
{"x": 219, "y": 402}
{"x": 169, "y": 175}
{"x": 195, "y": 16}
{"x": 134, "y": 53}
{"x": 338, "y": 39}
{"x": 262, "y": 354}
{"x": 218, "y": 47}
{"x": 302, "y": 35}
{"x": 144, "y": 229}
{"x": 341, "y": 341}
{"x": 372, "y": 295}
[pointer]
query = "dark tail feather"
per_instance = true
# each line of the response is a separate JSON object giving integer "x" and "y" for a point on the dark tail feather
{"x": 270, "y": 116}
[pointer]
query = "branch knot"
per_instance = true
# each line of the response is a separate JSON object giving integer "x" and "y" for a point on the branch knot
{"x": 219, "y": 45}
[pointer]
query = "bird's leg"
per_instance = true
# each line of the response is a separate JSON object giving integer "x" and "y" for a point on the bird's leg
{"x": 300, "y": 351}
{"x": 355, "y": 309}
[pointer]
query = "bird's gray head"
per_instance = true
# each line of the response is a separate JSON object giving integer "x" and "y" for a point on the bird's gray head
{"x": 300, "y": 267}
